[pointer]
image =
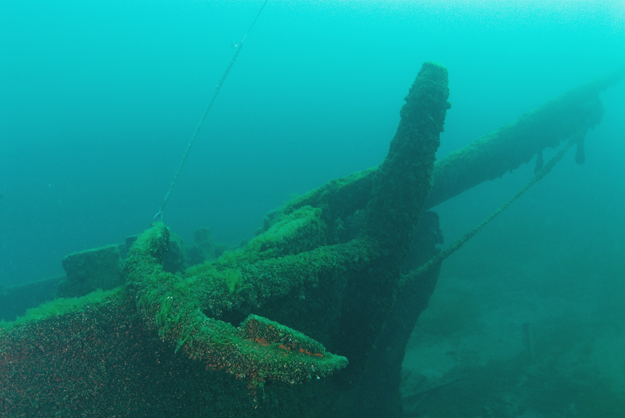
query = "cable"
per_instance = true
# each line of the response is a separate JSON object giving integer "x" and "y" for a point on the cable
{"x": 438, "y": 258}
{"x": 159, "y": 214}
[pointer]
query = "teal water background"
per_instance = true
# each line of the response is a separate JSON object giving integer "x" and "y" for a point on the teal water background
{"x": 98, "y": 100}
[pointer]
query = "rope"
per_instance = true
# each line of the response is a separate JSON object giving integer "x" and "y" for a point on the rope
{"x": 438, "y": 258}
{"x": 159, "y": 214}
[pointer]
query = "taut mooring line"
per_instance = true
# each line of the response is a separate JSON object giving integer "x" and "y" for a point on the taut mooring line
{"x": 443, "y": 254}
{"x": 159, "y": 214}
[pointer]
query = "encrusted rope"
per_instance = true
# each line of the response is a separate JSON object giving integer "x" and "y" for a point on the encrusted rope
{"x": 575, "y": 139}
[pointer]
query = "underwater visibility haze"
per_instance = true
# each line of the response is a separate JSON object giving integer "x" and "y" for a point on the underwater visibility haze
{"x": 99, "y": 99}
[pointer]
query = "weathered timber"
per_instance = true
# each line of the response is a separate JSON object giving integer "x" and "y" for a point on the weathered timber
{"x": 488, "y": 157}
{"x": 516, "y": 143}
{"x": 246, "y": 334}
